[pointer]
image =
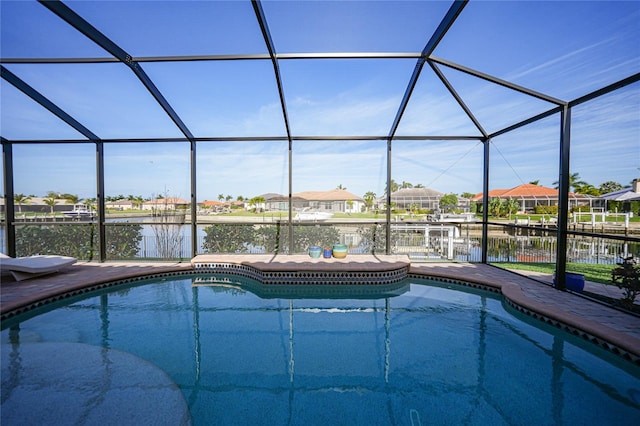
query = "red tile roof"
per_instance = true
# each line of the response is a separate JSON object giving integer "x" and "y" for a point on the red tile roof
{"x": 213, "y": 203}
{"x": 493, "y": 193}
{"x": 527, "y": 190}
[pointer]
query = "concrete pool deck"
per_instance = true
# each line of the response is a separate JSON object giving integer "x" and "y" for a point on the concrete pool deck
{"x": 594, "y": 321}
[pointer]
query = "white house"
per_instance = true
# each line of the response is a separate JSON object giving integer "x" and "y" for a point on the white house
{"x": 169, "y": 203}
{"x": 119, "y": 205}
{"x": 333, "y": 201}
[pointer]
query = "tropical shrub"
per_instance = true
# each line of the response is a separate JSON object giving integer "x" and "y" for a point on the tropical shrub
{"x": 123, "y": 241}
{"x": 275, "y": 239}
{"x": 78, "y": 240}
{"x": 229, "y": 238}
{"x": 627, "y": 278}
{"x": 501, "y": 207}
{"x": 373, "y": 239}
{"x": 546, "y": 210}
{"x": 624, "y": 207}
{"x": 448, "y": 202}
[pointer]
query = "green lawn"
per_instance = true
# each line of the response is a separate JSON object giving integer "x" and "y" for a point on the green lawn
{"x": 592, "y": 272}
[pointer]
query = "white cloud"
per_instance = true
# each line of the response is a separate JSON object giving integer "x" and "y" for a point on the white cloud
{"x": 335, "y": 116}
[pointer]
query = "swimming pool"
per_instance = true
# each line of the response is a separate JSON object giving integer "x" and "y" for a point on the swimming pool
{"x": 214, "y": 351}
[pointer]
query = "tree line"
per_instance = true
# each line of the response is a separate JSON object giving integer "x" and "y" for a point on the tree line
{"x": 576, "y": 185}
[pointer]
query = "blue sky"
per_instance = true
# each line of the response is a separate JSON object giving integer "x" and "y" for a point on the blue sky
{"x": 562, "y": 49}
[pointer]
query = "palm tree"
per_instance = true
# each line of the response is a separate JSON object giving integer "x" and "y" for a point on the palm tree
{"x": 19, "y": 199}
{"x": 610, "y": 186}
{"x": 341, "y": 187}
{"x": 406, "y": 185}
{"x": 255, "y": 201}
{"x": 51, "y": 202}
{"x": 574, "y": 182}
{"x": 512, "y": 206}
{"x": 495, "y": 207}
{"x": 72, "y": 198}
{"x": 138, "y": 201}
{"x": 91, "y": 203}
{"x": 393, "y": 187}
{"x": 132, "y": 198}
{"x": 350, "y": 205}
{"x": 368, "y": 199}
{"x": 588, "y": 189}
{"x": 220, "y": 197}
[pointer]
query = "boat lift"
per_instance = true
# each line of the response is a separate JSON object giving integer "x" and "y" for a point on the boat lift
{"x": 437, "y": 238}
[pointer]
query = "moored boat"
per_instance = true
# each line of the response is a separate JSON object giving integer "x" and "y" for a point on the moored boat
{"x": 314, "y": 216}
{"x": 80, "y": 210}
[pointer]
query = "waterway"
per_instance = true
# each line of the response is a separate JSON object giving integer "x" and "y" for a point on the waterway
{"x": 505, "y": 245}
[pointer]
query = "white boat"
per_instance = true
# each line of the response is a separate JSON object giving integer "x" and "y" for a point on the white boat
{"x": 80, "y": 210}
{"x": 313, "y": 216}
{"x": 455, "y": 217}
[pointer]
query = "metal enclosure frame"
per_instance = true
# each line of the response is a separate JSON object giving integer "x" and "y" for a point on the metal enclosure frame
{"x": 119, "y": 55}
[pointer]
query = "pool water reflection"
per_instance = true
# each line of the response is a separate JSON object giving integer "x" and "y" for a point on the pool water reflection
{"x": 421, "y": 352}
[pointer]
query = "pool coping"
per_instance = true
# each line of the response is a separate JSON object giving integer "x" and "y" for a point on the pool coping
{"x": 518, "y": 290}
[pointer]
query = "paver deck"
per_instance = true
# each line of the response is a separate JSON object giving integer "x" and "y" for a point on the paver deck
{"x": 533, "y": 295}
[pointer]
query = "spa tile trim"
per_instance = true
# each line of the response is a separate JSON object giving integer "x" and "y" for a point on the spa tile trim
{"x": 314, "y": 277}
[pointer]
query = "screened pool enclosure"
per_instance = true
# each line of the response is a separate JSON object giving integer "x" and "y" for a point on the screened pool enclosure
{"x": 216, "y": 107}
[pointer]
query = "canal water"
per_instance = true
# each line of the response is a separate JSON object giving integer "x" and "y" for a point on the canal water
{"x": 174, "y": 241}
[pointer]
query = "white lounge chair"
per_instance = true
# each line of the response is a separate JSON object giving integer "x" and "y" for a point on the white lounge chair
{"x": 23, "y": 268}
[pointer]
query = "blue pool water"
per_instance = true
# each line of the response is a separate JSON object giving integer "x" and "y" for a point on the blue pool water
{"x": 420, "y": 353}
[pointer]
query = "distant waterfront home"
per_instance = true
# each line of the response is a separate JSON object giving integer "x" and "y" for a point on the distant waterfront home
{"x": 529, "y": 196}
{"x": 626, "y": 195}
{"x": 214, "y": 206}
{"x": 334, "y": 201}
{"x": 272, "y": 203}
{"x": 39, "y": 205}
{"x": 120, "y": 205}
{"x": 419, "y": 198}
{"x": 169, "y": 203}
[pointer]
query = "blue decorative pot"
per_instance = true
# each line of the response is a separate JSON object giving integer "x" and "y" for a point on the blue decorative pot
{"x": 315, "y": 251}
{"x": 573, "y": 282}
{"x": 327, "y": 253}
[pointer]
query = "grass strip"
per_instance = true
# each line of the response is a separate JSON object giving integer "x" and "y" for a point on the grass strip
{"x": 597, "y": 273}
